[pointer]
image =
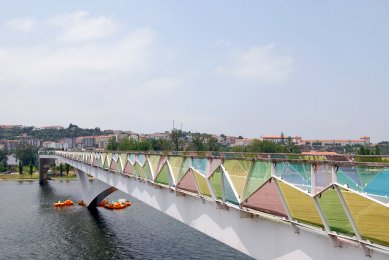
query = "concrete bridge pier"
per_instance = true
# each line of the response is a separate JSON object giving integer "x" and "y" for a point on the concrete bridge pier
{"x": 93, "y": 192}
{"x": 44, "y": 166}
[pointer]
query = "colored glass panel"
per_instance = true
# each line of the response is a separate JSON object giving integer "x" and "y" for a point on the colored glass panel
{"x": 260, "y": 173}
{"x": 175, "y": 166}
{"x": 188, "y": 182}
{"x": 106, "y": 163}
{"x": 229, "y": 194}
{"x": 200, "y": 165}
{"x": 184, "y": 168}
{"x": 267, "y": 200}
{"x": 323, "y": 177}
{"x": 113, "y": 166}
{"x": 163, "y": 176}
{"x": 379, "y": 185}
{"x": 154, "y": 161}
{"x": 298, "y": 174}
{"x": 132, "y": 158}
{"x": 139, "y": 171}
{"x": 334, "y": 213}
{"x": 216, "y": 182}
{"x": 300, "y": 205}
{"x": 141, "y": 159}
{"x": 201, "y": 184}
{"x": 123, "y": 159}
{"x": 371, "y": 218}
{"x": 129, "y": 169}
{"x": 238, "y": 171}
{"x": 147, "y": 171}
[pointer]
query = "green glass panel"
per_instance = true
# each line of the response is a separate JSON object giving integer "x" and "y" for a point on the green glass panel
{"x": 334, "y": 213}
{"x": 139, "y": 171}
{"x": 260, "y": 173}
{"x": 105, "y": 165}
{"x": 163, "y": 176}
{"x": 146, "y": 170}
{"x": 201, "y": 184}
{"x": 216, "y": 182}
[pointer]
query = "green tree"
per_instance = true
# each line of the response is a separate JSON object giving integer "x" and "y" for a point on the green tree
{"x": 377, "y": 150}
{"x": 27, "y": 154}
{"x": 198, "y": 142}
{"x": 67, "y": 169}
{"x": 61, "y": 169}
{"x": 176, "y": 137}
{"x": 212, "y": 144}
{"x": 3, "y": 160}
{"x": 20, "y": 167}
{"x": 31, "y": 168}
{"x": 113, "y": 144}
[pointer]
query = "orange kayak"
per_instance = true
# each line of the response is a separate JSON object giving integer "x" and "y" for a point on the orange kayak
{"x": 118, "y": 205}
{"x": 59, "y": 204}
{"x": 102, "y": 203}
{"x": 68, "y": 203}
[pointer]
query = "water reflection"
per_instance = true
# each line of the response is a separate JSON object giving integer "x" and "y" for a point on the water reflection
{"x": 31, "y": 228}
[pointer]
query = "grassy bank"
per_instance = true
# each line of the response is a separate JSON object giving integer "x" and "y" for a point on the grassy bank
{"x": 34, "y": 176}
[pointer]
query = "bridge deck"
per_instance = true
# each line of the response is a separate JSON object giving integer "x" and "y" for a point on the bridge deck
{"x": 342, "y": 197}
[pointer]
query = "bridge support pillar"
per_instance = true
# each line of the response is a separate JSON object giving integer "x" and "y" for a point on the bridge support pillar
{"x": 93, "y": 192}
{"x": 44, "y": 166}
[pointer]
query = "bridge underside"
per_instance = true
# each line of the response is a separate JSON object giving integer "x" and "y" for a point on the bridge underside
{"x": 257, "y": 236}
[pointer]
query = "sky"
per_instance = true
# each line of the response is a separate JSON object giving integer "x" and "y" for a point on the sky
{"x": 317, "y": 69}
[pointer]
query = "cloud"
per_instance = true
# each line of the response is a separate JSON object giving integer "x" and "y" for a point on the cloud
{"x": 86, "y": 65}
{"x": 261, "y": 64}
{"x": 80, "y": 26}
{"x": 23, "y": 24}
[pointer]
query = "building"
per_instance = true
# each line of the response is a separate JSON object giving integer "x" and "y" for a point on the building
{"x": 243, "y": 141}
{"x": 364, "y": 140}
{"x": 281, "y": 139}
{"x": 102, "y": 141}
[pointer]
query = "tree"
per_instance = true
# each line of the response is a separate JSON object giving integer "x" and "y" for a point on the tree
{"x": 61, "y": 169}
{"x": 20, "y": 167}
{"x": 113, "y": 144}
{"x": 67, "y": 169}
{"x": 31, "y": 168}
{"x": 198, "y": 142}
{"x": 377, "y": 150}
{"x": 176, "y": 137}
{"x": 3, "y": 160}
{"x": 27, "y": 154}
{"x": 212, "y": 144}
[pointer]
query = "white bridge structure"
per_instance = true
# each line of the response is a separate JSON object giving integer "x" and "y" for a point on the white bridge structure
{"x": 268, "y": 206}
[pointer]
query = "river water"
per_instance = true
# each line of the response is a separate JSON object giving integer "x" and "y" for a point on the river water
{"x": 31, "y": 228}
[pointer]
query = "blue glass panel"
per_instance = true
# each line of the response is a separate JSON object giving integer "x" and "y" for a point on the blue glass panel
{"x": 379, "y": 185}
{"x": 141, "y": 158}
{"x": 228, "y": 192}
{"x": 200, "y": 164}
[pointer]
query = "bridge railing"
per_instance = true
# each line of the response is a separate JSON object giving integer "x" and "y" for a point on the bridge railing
{"x": 345, "y": 197}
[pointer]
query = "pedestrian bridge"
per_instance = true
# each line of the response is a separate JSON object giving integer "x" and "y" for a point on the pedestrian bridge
{"x": 264, "y": 205}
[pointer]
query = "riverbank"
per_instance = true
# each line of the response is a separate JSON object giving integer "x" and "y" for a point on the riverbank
{"x": 32, "y": 177}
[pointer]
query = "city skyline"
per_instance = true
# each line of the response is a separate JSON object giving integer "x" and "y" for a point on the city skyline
{"x": 314, "y": 70}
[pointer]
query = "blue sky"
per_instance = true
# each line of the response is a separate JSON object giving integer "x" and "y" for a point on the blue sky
{"x": 314, "y": 69}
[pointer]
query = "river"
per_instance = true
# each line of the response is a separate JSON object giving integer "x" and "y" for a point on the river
{"x": 31, "y": 228}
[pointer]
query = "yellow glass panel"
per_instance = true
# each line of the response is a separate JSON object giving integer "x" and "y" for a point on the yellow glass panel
{"x": 175, "y": 164}
{"x": 371, "y": 218}
{"x": 201, "y": 184}
{"x": 301, "y": 205}
{"x": 238, "y": 171}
